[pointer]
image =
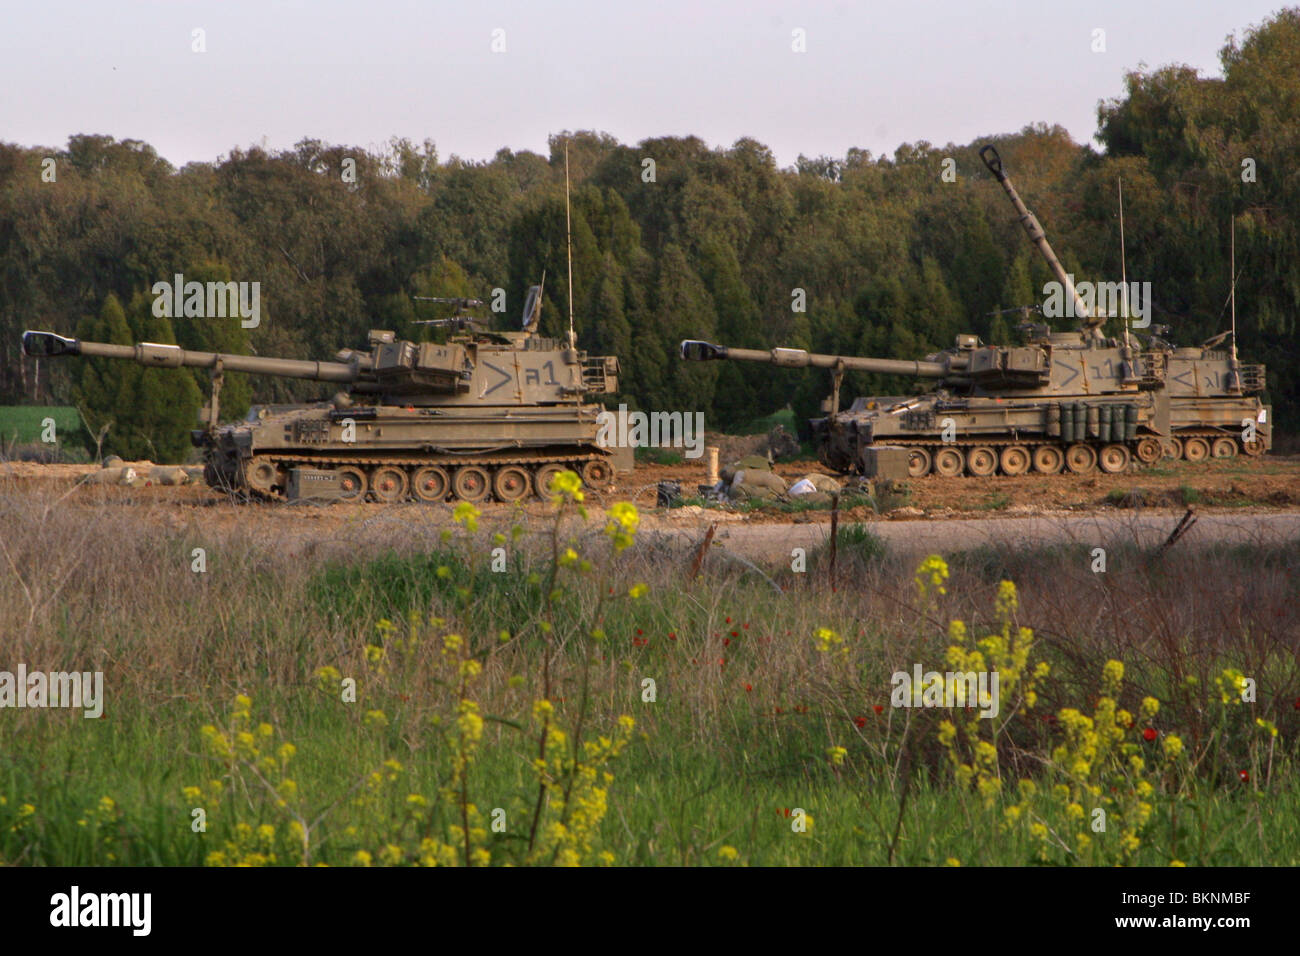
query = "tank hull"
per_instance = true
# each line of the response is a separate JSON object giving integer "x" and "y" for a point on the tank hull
{"x": 987, "y": 437}
{"x": 396, "y": 453}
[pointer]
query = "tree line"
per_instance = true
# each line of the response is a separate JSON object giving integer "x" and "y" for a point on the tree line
{"x": 888, "y": 256}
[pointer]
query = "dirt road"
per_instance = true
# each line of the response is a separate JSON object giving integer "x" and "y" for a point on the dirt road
{"x": 1235, "y": 501}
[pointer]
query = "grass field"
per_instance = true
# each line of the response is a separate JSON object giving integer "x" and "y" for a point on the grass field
{"x": 388, "y": 697}
{"x": 24, "y": 426}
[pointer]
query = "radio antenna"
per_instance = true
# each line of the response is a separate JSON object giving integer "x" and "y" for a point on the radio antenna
{"x": 1232, "y": 293}
{"x": 1234, "y": 370}
{"x": 1123, "y": 259}
{"x": 568, "y": 242}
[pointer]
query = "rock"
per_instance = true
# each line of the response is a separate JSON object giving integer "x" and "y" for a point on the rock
{"x": 822, "y": 482}
{"x": 748, "y": 463}
{"x": 168, "y": 475}
{"x": 105, "y": 476}
{"x": 759, "y": 478}
{"x": 744, "y": 492}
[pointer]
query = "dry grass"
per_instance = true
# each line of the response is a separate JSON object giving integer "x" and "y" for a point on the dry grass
{"x": 737, "y": 677}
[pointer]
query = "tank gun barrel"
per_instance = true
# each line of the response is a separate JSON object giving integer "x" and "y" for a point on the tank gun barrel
{"x": 155, "y": 355}
{"x": 1034, "y": 229}
{"x": 696, "y": 351}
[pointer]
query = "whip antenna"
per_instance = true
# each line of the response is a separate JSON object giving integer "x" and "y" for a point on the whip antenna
{"x": 1123, "y": 261}
{"x": 1232, "y": 294}
{"x": 568, "y": 242}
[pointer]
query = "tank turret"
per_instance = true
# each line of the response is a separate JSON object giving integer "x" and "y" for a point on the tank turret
{"x": 485, "y": 414}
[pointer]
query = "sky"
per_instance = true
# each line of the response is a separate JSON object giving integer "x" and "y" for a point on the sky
{"x": 478, "y": 75}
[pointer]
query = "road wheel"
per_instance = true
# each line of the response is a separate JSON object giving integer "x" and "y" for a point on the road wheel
{"x": 1014, "y": 460}
{"x": 430, "y": 483}
{"x": 1081, "y": 459}
{"x": 1253, "y": 448}
{"x": 1149, "y": 450}
{"x": 1114, "y": 459}
{"x": 262, "y": 475}
{"x": 597, "y": 473}
{"x": 389, "y": 484}
{"x": 1048, "y": 460}
{"x": 919, "y": 461}
{"x": 1224, "y": 448}
{"x": 1196, "y": 449}
{"x": 511, "y": 483}
{"x": 1173, "y": 448}
{"x": 352, "y": 483}
{"x": 542, "y": 479}
{"x": 981, "y": 461}
{"x": 949, "y": 462}
{"x": 471, "y": 483}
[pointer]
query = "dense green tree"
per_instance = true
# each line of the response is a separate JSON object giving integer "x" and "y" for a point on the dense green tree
{"x": 105, "y": 387}
{"x": 886, "y": 255}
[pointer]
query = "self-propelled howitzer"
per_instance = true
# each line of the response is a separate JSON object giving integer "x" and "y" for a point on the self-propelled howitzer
{"x": 1060, "y": 401}
{"x": 485, "y": 414}
{"x": 1214, "y": 404}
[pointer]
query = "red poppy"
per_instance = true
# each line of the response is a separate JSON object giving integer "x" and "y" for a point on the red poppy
{"x": 860, "y": 721}
{"x": 878, "y": 708}
{"x": 728, "y": 620}
{"x": 1245, "y": 777}
{"x": 778, "y": 710}
{"x": 735, "y": 634}
{"x": 672, "y": 636}
{"x": 638, "y": 631}
{"x": 747, "y": 627}
{"x": 726, "y": 641}
{"x": 749, "y": 687}
{"x": 1297, "y": 703}
{"x": 1149, "y": 734}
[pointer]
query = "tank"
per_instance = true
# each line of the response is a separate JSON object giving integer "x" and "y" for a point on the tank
{"x": 1072, "y": 401}
{"x": 485, "y": 415}
{"x": 1062, "y": 401}
{"x": 1214, "y": 400}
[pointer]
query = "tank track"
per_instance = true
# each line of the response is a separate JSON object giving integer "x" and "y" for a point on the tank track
{"x": 389, "y": 479}
{"x": 1190, "y": 444}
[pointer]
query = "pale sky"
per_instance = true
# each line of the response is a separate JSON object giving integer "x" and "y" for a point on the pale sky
{"x": 874, "y": 74}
